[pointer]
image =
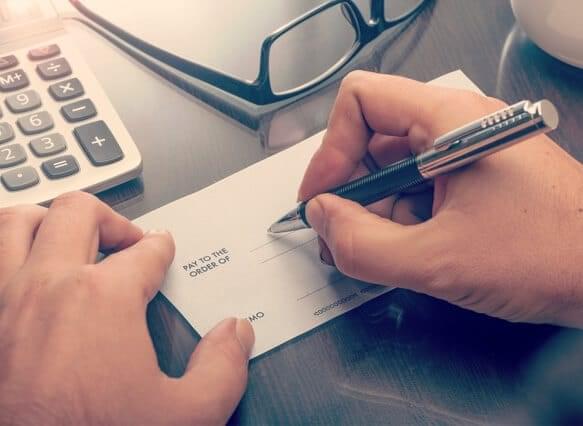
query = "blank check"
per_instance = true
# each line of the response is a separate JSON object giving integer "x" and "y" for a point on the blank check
{"x": 227, "y": 264}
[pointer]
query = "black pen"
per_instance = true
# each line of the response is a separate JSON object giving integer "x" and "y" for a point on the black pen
{"x": 454, "y": 149}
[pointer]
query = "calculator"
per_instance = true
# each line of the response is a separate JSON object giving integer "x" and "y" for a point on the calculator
{"x": 58, "y": 130}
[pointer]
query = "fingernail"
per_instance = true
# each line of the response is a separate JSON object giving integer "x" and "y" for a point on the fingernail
{"x": 154, "y": 232}
{"x": 230, "y": 329}
{"x": 245, "y": 335}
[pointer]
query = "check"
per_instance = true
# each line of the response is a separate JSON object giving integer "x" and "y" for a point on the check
{"x": 227, "y": 264}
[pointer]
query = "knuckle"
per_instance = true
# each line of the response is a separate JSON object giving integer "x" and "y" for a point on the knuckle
{"x": 353, "y": 80}
{"x": 85, "y": 279}
{"x": 473, "y": 101}
{"x": 10, "y": 215}
{"x": 75, "y": 199}
{"x": 86, "y": 274}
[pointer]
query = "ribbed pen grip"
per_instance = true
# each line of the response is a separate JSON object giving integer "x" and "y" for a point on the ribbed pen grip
{"x": 374, "y": 187}
{"x": 388, "y": 181}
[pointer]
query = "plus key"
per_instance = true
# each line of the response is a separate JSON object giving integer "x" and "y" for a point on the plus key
{"x": 98, "y": 143}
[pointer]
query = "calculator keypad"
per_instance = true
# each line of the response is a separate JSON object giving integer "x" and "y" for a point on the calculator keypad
{"x": 66, "y": 90}
{"x": 11, "y": 155}
{"x": 13, "y": 80}
{"x": 54, "y": 69}
{"x": 28, "y": 129}
{"x": 79, "y": 111}
{"x": 48, "y": 145}
{"x": 44, "y": 52}
{"x": 8, "y": 62}
{"x": 98, "y": 143}
{"x": 60, "y": 167}
{"x": 36, "y": 123}
{"x": 6, "y": 133}
{"x": 21, "y": 178}
{"x": 23, "y": 102}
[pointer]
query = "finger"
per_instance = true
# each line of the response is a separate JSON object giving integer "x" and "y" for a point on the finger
{"x": 216, "y": 376}
{"x": 388, "y": 149}
{"x": 380, "y": 207}
{"x": 18, "y": 226}
{"x": 76, "y": 225}
{"x": 411, "y": 209}
{"x": 370, "y": 248}
{"x": 366, "y": 103}
{"x": 141, "y": 267}
{"x": 391, "y": 105}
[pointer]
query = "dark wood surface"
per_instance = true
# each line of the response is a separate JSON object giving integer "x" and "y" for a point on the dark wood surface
{"x": 403, "y": 358}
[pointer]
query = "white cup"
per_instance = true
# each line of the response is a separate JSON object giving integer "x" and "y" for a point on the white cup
{"x": 556, "y": 26}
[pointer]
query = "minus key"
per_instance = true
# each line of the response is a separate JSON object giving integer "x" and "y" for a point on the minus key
{"x": 79, "y": 111}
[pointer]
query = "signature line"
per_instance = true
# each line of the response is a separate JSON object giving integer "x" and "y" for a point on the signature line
{"x": 288, "y": 250}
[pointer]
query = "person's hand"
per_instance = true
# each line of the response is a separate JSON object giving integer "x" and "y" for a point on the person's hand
{"x": 503, "y": 236}
{"x": 74, "y": 344}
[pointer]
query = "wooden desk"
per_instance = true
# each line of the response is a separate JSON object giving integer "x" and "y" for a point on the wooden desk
{"x": 404, "y": 358}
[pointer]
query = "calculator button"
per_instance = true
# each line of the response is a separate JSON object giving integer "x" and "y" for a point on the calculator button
{"x": 98, "y": 143}
{"x": 60, "y": 167}
{"x": 35, "y": 123}
{"x": 22, "y": 102}
{"x": 44, "y": 52}
{"x": 67, "y": 89}
{"x": 18, "y": 179}
{"x": 79, "y": 111}
{"x": 8, "y": 62}
{"x": 56, "y": 68}
{"x": 48, "y": 145}
{"x": 6, "y": 133}
{"x": 13, "y": 80}
{"x": 11, "y": 155}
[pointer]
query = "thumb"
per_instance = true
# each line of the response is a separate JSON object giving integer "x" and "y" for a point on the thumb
{"x": 216, "y": 376}
{"x": 371, "y": 248}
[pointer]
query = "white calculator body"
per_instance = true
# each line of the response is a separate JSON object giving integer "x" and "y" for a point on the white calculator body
{"x": 58, "y": 130}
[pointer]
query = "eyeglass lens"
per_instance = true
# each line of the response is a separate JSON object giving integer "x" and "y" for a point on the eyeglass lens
{"x": 311, "y": 49}
{"x": 321, "y": 44}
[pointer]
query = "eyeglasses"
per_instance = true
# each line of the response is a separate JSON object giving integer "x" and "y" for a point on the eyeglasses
{"x": 328, "y": 37}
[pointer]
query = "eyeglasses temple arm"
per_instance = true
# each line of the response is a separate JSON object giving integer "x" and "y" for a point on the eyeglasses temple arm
{"x": 232, "y": 85}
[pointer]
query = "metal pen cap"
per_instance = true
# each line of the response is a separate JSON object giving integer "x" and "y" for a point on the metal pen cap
{"x": 487, "y": 135}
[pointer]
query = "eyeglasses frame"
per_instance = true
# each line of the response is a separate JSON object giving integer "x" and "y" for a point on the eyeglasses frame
{"x": 260, "y": 91}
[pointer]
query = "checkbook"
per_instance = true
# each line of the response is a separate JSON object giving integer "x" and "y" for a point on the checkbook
{"x": 227, "y": 265}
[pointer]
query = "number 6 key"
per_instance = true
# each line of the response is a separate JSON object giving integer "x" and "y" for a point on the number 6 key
{"x": 35, "y": 123}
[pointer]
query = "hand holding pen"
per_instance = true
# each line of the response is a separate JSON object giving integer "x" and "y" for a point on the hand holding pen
{"x": 492, "y": 242}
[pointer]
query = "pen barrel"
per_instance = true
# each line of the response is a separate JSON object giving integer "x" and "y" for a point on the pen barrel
{"x": 388, "y": 181}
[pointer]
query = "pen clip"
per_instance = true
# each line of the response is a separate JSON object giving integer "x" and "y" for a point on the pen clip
{"x": 445, "y": 141}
